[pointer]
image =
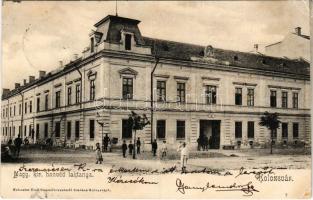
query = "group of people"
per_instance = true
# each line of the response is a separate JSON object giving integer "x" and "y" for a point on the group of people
{"x": 130, "y": 147}
{"x": 204, "y": 142}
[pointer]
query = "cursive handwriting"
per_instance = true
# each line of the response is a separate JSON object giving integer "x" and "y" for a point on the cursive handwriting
{"x": 247, "y": 189}
{"x": 121, "y": 179}
{"x": 48, "y": 169}
{"x": 257, "y": 173}
{"x": 82, "y": 167}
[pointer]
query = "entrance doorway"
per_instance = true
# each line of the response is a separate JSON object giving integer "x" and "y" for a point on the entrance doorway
{"x": 210, "y": 132}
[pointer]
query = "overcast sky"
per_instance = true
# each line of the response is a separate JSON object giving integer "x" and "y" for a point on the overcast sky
{"x": 36, "y": 35}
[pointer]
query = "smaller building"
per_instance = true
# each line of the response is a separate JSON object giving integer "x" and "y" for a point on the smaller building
{"x": 295, "y": 45}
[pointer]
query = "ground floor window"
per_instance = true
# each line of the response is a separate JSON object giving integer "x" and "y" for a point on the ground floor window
{"x": 46, "y": 130}
{"x": 69, "y": 129}
{"x": 238, "y": 129}
{"x": 37, "y": 131}
{"x": 126, "y": 129}
{"x": 25, "y": 129}
{"x": 180, "y": 129}
{"x": 274, "y": 134}
{"x": 295, "y": 130}
{"x": 250, "y": 129}
{"x": 76, "y": 130}
{"x": 91, "y": 129}
{"x": 57, "y": 129}
{"x": 161, "y": 129}
{"x": 284, "y": 130}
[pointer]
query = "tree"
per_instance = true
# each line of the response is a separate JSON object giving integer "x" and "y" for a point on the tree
{"x": 270, "y": 121}
{"x": 137, "y": 122}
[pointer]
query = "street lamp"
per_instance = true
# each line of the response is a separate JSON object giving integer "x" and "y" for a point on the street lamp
{"x": 101, "y": 123}
{"x": 137, "y": 122}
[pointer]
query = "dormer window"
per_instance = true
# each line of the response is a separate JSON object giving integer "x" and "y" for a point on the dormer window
{"x": 128, "y": 38}
{"x": 92, "y": 45}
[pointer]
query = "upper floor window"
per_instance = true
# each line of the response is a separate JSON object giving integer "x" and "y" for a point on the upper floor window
{"x": 77, "y": 93}
{"x": 46, "y": 102}
{"x": 250, "y": 97}
{"x": 30, "y": 106}
{"x": 14, "y": 110}
{"x": 92, "y": 90}
{"x": 25, "y": 107}
{"x": 128, "y": 38}
{"x": 20, "y": 109}
{"x": 181, "y": 92}
{"x": 127, "y": 88}
{"x": 69, "y": 95}
{"x": 238, "y": 96}
{"x": 210, "y": 94}
{"x": 295, "y": 100}
{"x": 284, "y": 99}
{"x": 57, "y": 99}
{"x": 10, "y": 111}
{"x": 161, "y": 90}
{"x": 38, "y": 104}
{"x": 273, "y": 101}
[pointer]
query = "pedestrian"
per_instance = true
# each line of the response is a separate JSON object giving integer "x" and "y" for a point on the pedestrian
{"x": 99, "y": 157}
{"x": 164, "y": 149}
{"x": 206, "y": 143}
{"x": 199, "y": 143}
{"x": 154, "y": 147}
{"x": 138, "y": 144}
{"x": 130, "y": 147}
{"x": 124, "y": 148}
{"x": 106, "y": 140}
{"x": 184, "y": 155}
{"x": 17, "y": 143}
{"x": 26, "y": 141}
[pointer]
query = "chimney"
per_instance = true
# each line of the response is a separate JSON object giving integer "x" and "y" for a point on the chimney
{"x": 17, "y": 85}
{"x": 5, "y": 91}
{"x": 61, "y": 63}
{"x": 42, "y": 74}
{"x": 298, "y": 30}
{"x": 31, "y": 78}
{"x": 24, "y": 81}
{"x": 256, "y": 47}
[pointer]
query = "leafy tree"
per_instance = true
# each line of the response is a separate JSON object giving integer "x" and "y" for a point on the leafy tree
{"x": 137, "y": 122}
{"x": 270, "y": 121}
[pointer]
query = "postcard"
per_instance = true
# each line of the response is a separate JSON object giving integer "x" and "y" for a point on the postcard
{"x": 156, "y": 99}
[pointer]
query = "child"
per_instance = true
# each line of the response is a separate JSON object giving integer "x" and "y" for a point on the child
{"x": 164, "y": 149}
{"x": 124, "y": 148}
{"x": 98, "y": 154}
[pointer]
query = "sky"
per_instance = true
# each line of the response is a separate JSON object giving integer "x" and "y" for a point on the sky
{"x": 37, "y": 35}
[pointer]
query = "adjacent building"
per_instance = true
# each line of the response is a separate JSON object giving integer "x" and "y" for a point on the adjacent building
{"x": 194, "y": 90}
{"x": 295, "y": 45}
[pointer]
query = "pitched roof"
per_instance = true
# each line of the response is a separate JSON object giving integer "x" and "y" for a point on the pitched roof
{"x": 184, "y": 51}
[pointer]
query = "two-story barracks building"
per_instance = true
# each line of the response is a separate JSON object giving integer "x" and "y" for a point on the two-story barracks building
{"x": 196, "y": 90}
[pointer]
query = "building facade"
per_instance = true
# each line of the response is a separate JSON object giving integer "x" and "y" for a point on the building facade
{"x": 294, "y": 46}
{"x": 193, "y": 90}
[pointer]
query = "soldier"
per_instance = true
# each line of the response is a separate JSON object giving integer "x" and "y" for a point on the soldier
{"x": 138, "y": 144}
{"x": 154, "y": 147}
{"x": 18, "y": 142}
{"x": 130, "y": 147}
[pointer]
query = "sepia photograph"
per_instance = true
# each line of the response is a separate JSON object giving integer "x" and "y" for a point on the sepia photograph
{"x": 156, "y": 99}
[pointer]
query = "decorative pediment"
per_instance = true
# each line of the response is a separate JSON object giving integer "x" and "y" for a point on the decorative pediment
{"x": 91, "y": 75}
{"x": 128, "y": 71}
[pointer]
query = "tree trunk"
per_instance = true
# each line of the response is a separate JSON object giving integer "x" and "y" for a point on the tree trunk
{"x": 134, "y": 149}
{"x": 271, "y": 141}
